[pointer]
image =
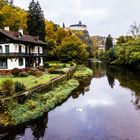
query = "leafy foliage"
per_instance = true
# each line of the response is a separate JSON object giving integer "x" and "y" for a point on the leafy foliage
{"x": 72, "y": 48}
{"x": 12, "y": 16}
{"x": 82, "y": 72}
{"x": 7, "y": 86}
{"x": 35, "y": 107}
{"x": 19, "y": 87}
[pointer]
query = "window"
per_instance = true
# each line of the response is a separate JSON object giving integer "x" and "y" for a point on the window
{"x": 38, "y": 49}
{"x": 20, "y": 61}
{"x": 0, "y": 49}
{"x": 3, "y": 63}
{"x": 6, "y": 48}
{"x": 20, "y": 48}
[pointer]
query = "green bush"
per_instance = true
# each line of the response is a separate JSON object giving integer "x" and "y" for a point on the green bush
{"x": 19, "y": 87}
{"x": 51, "y": 69}
{"x": 37, "y": 73}
{"x": 15, "y": 72}
{"x": 64, "y": 65}
{"x": 46, "y": 65}
{"x": 7, "y": 86}
{"x": 23, "y": 74}
{"x": 35, "y": 107}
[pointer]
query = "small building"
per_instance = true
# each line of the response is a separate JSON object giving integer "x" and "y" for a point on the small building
{"x": 20, "y": 51}
{"x": 79, "y": 27}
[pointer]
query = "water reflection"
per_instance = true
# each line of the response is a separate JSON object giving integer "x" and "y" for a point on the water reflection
{"x": 33, "y": 130}
{"x": 105, "y": 102}
{"x": 131, "y": 80}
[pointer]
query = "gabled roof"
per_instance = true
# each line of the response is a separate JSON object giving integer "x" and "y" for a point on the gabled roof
{"x": 16, "y": 36}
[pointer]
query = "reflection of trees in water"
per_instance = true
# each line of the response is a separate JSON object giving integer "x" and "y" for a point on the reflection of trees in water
{"x": 38, "y": 127}
{"x": 136, "y": 100}
{"x": 99, "y": 69}
{"x": 110, "y": 77}
{"x": 84, "y": 86}
{"x": 129, "y": 79}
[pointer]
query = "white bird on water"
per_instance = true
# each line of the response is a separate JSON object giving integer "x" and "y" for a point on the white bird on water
{"x": 79, "y": 110}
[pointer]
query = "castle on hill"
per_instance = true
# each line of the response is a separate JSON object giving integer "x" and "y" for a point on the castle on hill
{"x": 80, "y": 27}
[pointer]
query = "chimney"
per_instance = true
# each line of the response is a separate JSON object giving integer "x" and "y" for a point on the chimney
{"x": 7, "y": 28}
{"x": 20, "y": 31}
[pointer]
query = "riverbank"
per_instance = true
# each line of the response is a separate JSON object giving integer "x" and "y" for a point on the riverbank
{"x": 37, "y": 104}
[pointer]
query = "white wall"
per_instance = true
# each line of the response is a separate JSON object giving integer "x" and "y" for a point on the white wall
{"x": 78, "y": 28}
{"x": 41, "y": 64}
{"x": 13, "y": 48}
{"x": 14, "y": 63}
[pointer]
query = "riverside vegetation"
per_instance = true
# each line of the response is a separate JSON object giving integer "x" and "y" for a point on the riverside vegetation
{"x": 16, "y": 113}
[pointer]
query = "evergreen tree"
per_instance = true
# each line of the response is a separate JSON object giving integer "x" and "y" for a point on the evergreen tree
{"x": 109, "y": 42}
{"x": 63, "y": 25}
{"x": 36, "y": 21}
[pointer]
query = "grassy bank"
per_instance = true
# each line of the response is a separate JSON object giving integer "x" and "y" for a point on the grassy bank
{"x": 31, "y": 81}
{"x": 82, "y": 72}
{"x": 36, "y": 106}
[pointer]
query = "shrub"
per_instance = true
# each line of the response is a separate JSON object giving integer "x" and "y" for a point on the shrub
{"x": 51, "y": 69}
{"x": 31, "y": 72}
{"x": 7, "y": 86}
{"x": 35, "y": 73}
{"x": 41, "y": 68}
{"x": 71, "y": 64}
{"x": 15, "y": 72}
{"x": 46, "y": 65}
{"x": 64, "y": 65}
{"x": 19, "y": 87}
{"x": 23, "y": 74}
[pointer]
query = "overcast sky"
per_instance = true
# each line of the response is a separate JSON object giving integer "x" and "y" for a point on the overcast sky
{"x": 101, "y": 16}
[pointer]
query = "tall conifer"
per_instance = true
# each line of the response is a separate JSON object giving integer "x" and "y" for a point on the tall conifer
{"x": 36, "y": 21}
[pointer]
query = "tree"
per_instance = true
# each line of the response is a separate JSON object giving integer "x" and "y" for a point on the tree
{"x": 124, "y": 39}
{"x": 72, "y": 48}
{"x": 36, "y": 21}
{"x": 135, "y": 30}
{"x": 12, "y": 16}
{"x": 109, "y": 42}
{"x": 63, "y": 25}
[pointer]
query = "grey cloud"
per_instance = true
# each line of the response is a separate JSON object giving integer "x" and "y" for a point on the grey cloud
{"x": 101, "y": 16}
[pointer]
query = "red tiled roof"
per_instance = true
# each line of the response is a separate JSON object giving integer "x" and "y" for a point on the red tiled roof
{"x": 24, "y": 38}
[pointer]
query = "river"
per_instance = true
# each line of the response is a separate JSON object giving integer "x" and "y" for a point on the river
{"x": 106, "y": 109}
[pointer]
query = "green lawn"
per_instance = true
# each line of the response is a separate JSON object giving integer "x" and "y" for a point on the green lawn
{"x": 31, "y": 81}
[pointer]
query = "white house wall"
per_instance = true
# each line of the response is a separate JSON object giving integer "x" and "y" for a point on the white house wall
{"x": 41, "y": 64}
{"x": 14, "y": 63}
